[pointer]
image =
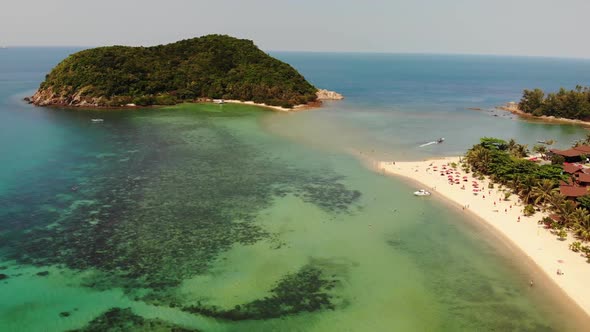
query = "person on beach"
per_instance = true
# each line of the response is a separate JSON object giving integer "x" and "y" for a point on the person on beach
{"x": 518, "y": 218}
{"x": 531, "y": 282}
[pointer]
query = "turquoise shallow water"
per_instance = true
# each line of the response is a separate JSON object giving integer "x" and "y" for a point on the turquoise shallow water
{"x": 231, "y": 218}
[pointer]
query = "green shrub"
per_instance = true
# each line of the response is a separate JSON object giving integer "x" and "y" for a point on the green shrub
{"x": 165, "y": 99}
{"x": 576, "y": 246}
{"x": 529, "y": 210}
{"x": 545, "y": 221}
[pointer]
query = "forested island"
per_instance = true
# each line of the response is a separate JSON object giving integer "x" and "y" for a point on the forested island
{"x": 208, "y": 67}
{"x": 572, "y": 104}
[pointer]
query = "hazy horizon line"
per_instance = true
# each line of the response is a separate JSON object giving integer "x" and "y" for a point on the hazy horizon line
{"x": 82, "y": 47}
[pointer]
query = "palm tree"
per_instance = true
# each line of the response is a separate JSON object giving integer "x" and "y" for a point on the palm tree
{"x": 540, "y": 149}
{"x": 577, "y": 216}
{"x": 511, "y": 144}
{"x": 542, "y": 192}
{"x": 518, "y": 150}
{"x": 566, "y": 210}
{"x": 582, "y": 227}
{"x": 479, "y": 157}
{"x": 525, "y": 188}
{"x": 556, "y": 200}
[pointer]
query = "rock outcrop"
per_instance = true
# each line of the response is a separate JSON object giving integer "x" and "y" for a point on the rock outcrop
{"x": 324, "y": 94}
{"x": 45, "y": 97}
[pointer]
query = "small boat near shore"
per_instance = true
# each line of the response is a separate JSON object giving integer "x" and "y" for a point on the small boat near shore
{"x": 438, "y": 141}
{"x": 422, "y": 192}
{"x": 97, "y": 120}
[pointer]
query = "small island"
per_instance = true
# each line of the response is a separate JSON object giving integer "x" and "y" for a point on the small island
{"x": 193, "y": 70}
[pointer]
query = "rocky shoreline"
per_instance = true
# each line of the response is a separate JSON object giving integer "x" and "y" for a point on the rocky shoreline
{"x": 324, "y": 94}
{"x": 513, "y": 108}
{"x": 47, "y": 97}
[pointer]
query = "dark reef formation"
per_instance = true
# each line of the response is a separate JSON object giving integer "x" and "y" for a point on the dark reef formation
{"x": 304, "y": 291}
{"x": 117, "y": 319}
{"x": 164, "y": 215}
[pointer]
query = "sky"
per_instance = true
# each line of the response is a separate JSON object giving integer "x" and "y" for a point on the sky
{"x": 502, "y": 27}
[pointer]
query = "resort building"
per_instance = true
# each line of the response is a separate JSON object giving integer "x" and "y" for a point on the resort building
{"x": 573, "y": 191}
{"x": 583, "y": 179}
{"x": 578, "y": 184}
{"x": 574, "y": 154}
{"x": 572, "y": 169}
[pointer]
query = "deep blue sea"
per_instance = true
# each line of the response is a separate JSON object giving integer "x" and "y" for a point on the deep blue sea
{"x": 395, "y": 102}
{"x": 236, "y": 218}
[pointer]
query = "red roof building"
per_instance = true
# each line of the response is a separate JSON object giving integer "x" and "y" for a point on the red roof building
{"x": 568, "y": 153}
{"x": 583, "y": 178}
{"x": 572, "y": 168}
{"x": 573, "y": 191}
{"x": 585, "y": 149}
{"x": 573, "y": 154}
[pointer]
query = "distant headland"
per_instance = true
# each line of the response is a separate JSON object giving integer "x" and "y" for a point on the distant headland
{"x": 565, "y": 106}
{"x": 192, "y": 70}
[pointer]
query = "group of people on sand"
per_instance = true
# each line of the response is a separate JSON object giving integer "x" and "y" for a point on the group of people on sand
{"x": 466, "y": 206}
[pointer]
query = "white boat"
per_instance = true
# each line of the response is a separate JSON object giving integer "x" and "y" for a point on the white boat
{"x": 440, "y": 140}
{"x": 97, "y": 120}
{"x": 422, "y": 192}
{"x": 218, "y": 101}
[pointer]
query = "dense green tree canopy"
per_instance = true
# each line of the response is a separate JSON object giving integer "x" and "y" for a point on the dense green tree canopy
{"x": 213, "y": 66}
{"x": 572, "y": 104}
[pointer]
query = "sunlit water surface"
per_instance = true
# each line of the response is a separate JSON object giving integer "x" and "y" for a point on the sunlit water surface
{"x": 231, "y": 218}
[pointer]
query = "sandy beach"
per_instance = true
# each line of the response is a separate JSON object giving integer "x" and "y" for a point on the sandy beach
{"x": 295, "y": 108}
{"x": 536, "y": 242}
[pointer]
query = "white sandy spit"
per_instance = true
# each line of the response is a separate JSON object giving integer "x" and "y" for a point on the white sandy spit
{"x": 538, "y": 243}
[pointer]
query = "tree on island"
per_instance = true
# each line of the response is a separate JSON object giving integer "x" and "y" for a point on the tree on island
{"x": 572, "y": 104}
{"x": 531, "y": 101}
{"x": 213, "y": 66}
